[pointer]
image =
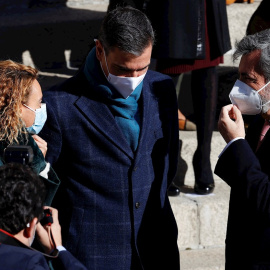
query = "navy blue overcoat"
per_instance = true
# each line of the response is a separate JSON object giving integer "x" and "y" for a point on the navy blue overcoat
{"x": 112, "y": 202}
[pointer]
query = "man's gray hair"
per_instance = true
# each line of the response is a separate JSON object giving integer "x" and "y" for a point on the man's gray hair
{"x": 127, "y": 29}
{"x": 259, "y": 41}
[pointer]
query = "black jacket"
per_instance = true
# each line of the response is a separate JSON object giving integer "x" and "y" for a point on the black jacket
{"x": 247, "y": 173}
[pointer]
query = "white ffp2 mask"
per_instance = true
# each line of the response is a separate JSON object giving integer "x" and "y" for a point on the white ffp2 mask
{"x": 246, "y": 98}
{"x": 124, "y": 85}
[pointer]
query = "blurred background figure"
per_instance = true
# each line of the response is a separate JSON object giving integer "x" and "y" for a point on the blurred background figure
{"x": 187, "y": 43}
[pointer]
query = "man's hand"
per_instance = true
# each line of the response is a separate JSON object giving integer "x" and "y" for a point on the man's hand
{"x": 230, "y": 123}
{"x": 41, "y": 144}
{"x": 48, "y": 235}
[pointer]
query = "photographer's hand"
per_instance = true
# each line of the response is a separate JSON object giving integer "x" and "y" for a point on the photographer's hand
{"x": 44, "y": 239}
{"x": 56, "y": 228}
{"x": 42, "y": 144}
{"x": 49, "y": 236}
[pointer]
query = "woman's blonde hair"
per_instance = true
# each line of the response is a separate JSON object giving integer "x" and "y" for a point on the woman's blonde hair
{"x": 15, "y": 86}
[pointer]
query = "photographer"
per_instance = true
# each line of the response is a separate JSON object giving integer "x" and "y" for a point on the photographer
{"x": 22, "y": 117}
{"x": 21, "y": 208}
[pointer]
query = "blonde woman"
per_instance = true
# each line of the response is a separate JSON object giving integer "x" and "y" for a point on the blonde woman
{"x": 22, "y": 116}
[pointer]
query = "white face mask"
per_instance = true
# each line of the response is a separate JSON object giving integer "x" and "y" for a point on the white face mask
{"x": 40, "y": 119}
{"x": 124, "y": 85}
{"x": 247, "y": 99}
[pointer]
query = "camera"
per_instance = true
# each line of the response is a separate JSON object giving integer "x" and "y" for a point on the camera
{"x": 47, "y": 218}
{"x": 19, "y": 154}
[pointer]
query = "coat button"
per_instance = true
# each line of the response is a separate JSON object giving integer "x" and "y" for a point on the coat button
{"x": 135, "y": 169}
{"x": 137, "y": 205}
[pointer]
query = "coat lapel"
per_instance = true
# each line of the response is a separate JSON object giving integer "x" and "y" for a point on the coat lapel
{"x": 254, "y": 131}
{"x": 102, "y": 119}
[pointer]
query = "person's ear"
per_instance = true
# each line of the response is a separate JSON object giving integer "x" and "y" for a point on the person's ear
{"x": 22, "y": 110}
{"x": 29, "y": 231}
{"x": 99, "y": 50}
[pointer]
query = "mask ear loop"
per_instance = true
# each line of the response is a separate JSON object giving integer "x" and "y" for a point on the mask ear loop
{"x": 261, "y": 90}
{"x": 263, "y": 87}
{"x": 106, "y": 62}
{"x": 266, "y": 103}
{"x": 29, "y": 108}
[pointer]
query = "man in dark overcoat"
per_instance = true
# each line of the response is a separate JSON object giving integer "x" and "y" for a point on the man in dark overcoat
{"x": 244, "y": 163}
{"x": 113, "y": 138}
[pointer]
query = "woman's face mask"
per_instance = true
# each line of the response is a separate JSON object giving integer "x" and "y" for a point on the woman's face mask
{"x": 247, "y": 99}
{"x": 124, "y": 85}
{"x": 40, "y": 119}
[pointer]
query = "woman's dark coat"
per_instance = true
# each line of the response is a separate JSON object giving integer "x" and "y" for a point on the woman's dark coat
{"x": 177, "y": 26}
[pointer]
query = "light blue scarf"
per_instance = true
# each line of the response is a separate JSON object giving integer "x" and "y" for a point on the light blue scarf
{"x": 125, "y": 111}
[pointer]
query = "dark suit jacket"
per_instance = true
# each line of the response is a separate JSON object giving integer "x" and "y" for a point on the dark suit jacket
{"x": 113, "y": 205}
{"x": 16, "y": 256}
{"x": 247, "y": 173}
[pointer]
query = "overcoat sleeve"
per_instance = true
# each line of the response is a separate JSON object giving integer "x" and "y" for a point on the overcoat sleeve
{"x": 240, "y": 169}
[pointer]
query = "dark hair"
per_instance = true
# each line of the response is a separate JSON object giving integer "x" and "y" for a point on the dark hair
{"x": 128, "y": 29}
{"x": 22, "y": 194}
{"x": 258, "y": 41}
